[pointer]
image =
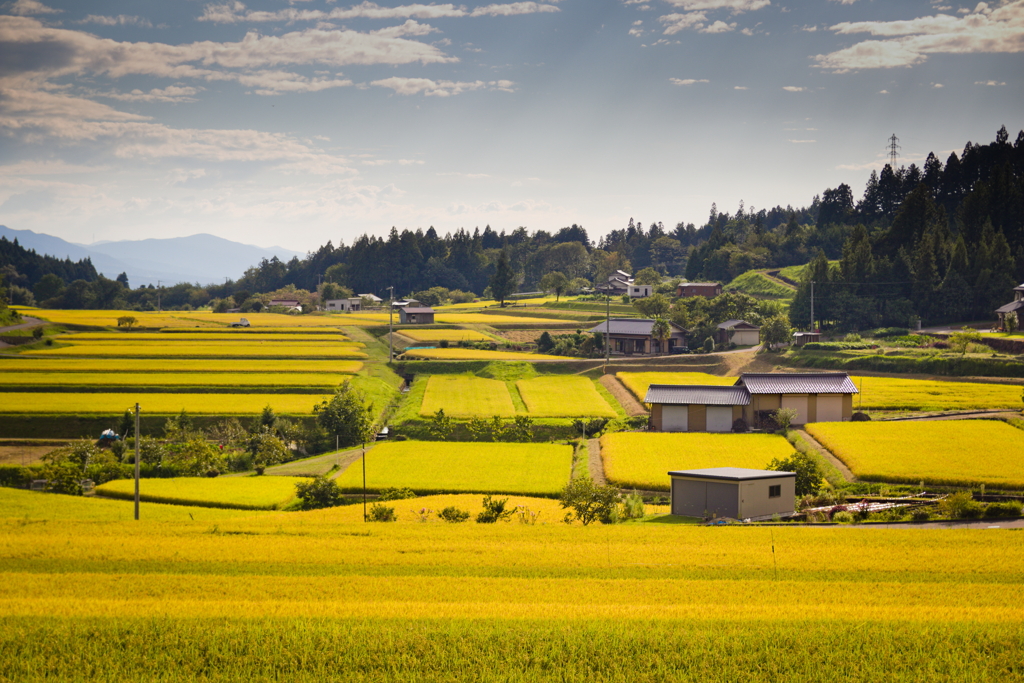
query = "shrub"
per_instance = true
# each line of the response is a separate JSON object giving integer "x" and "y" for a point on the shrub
{"x": 443, "y": 343}
{"x": 588, "y": 501}
{"x": 961, "y": 506}
{"x": 852, "y": 337}
{"x": 632, "y": 506}
{"x": 1006, "y": 508}
{"x": 709, "y": 345}
{"x": 381, "y": 513}
{"x": 892, "y": 332}
{"x": 920, "y": 514}
{"x": 397, "y": 494}
{"x": 808, "y": 475}
{"x": 318, "y": 493}
{"x": 843, "y": 517}
{"x": 860, "y": 417}
{"x": 453, "y": 514}
{"x": 784, "y": 417}
{"x": 740, "y": 425}
{"x": 494, "y": 511}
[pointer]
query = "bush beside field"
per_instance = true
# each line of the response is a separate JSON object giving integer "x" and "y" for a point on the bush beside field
{"x": 955, "y": 453}
{"x": 242, "y": 493}
{"x": 642, "y": 460}
{"x": 454, "y": 467}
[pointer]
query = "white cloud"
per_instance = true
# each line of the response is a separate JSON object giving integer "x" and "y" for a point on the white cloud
{"x": 938, "y": 85}
{"x": 636, "y": 32}
{"x": 802, "y": 142}
{"x": 845, "y": 2}
{"x": 27, "y": 7}
{"x": 172, "y": 93}
{"x": 512, "y": 9}
{"x": 735, "y": 6}
{"x": 719, "y": 27}
{"x": 674, "y": 23}
{"x": 990, "y": 83}
{"x": 793, "y": 88}
{"x": 687, "y": 81}
{"x": 432, "y": 88}
{"x": 235, "y": 12}
{"x": 740, "y": 87}
{"x": 119, "y": 20}
{"x": 910, "y": 42}
{"x": 883, "y": 92}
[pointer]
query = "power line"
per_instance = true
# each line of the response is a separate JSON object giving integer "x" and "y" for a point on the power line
{"x": 893, "y": 153}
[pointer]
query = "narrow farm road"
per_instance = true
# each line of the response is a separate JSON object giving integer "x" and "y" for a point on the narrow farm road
{"x": 29, "y": 322}
{"x": 632, "y": 406}
{"x": 839, "y": 464}
{"x": 595, "y": 462}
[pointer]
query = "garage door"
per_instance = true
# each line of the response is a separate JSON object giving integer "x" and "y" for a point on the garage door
{"x": 674, "y": 418}
{"x": 830, "y": 409}
{"x": 746, "y": 338}
{"x": 723, "y": 499}
{"x": 689, "y": 498}
{"x": 799, "y": 404}
{"x": 719, "y": 418}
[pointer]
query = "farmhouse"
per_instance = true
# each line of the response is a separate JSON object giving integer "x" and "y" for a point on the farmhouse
{"x": 1012, "y": 309}
{"x": 816, "y": 397}
{"x": 732, "y": 492}
{"x": 640, "y": 291}
{"x": 420, "y": 315}
{"x": 347, "y": 305}
{"x": 632, "y": 336}
{"x": 372, "y": 297}
{"x": 738, "y": 332}
{"x": 290, "y": 304}
{"x": 706, "y": 289}
{"x": 618, "y": 284}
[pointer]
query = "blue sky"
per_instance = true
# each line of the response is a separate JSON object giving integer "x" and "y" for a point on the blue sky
{"x": 294, "y": 123}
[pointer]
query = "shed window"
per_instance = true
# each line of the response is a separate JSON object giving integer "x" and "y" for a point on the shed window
{"x": 775, "y": 491}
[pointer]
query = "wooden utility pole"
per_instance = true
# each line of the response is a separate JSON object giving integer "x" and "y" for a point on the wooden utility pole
{"x": 137, "y": 462}
{"x": 391, "y": 325}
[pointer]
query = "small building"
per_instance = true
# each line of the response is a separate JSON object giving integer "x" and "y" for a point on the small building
{"x": 290, "y": 304}
{"x": 801, "y": 338}
{"x": 618, "y": 284}
{"x": 815, "y": 396}
{"x": 705, "y": 289}
{"x": 738, "y": 332}
{"x": 732, "y": 492}
{"x": 639, "y": 291}
{"x": 1012, "y": 309}
{"x": 347, "y": 305}
{"x": 419, "y": 315}
{"x": 372, "y": 297}
{"x": 404, "y": 303}
{"x": 632, "y": 336}
{"x": 695, "y": 408}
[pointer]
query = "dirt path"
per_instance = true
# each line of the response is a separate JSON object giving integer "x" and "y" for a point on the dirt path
{"x": 825, "y": 453}
{"x": 632, "y": 406}
{"x": 595, "y": 462}
{"x": 348, "y": 459}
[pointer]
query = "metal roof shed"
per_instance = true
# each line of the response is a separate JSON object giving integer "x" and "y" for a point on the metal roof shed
{"x": 695, "y": 408}
{"x": 732, "y": 492}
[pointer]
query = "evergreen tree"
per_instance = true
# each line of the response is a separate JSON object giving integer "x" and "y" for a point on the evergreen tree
{"x": 503, "y": 282}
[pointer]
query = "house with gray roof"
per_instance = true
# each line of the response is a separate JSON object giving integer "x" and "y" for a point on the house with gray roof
{"x": 632, "y": 336}
{"x": 416, "y": 315}
{"x": 738, "y": 332}
{"x": 1013, "y": 309}
{"x": 815, "y": 396}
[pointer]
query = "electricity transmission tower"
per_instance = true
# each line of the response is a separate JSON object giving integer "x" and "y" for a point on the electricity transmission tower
{"x": 893, "y": 148}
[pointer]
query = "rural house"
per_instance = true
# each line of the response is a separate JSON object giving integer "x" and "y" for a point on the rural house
{"x": 706, "y": 289}
{"x": 354, "y": 304}
{"x": 738, "y": 332}
{"x": 640, "y": 291}
{"x": 420, "y": 315}
{"x": 618, "y": 284}
{"x": 1012, "y": 309}
{"x": 733, "y": 492}
{"x": 816, "y": 397}
{"x": 632, "y": 336}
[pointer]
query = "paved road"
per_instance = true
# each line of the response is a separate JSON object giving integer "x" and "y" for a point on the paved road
{"x": 29, "y": 322}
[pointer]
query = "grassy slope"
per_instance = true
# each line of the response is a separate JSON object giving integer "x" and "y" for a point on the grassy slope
{"x": 756, "y": 283}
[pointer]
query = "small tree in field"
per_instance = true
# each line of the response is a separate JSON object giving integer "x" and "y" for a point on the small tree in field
{"x": 346, "y": 415}
{"x": 588, "y": 501}
{"x": 555, "y": 282}
{"x": 962, "y": 340}
{"x": 808, "y": 474}
{"x": 440, "y": 425}
{"x": 317, "y": 493}
{"x": 128, "y": 321}
{"x": 784, "y": 418}
{"x": 776, "y": 330}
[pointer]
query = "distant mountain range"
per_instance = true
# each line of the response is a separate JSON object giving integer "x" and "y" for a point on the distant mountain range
{"x": 205, "y": 259}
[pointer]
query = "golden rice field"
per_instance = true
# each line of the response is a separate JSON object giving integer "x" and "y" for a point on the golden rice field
{"x": 488, "y": 319}
{"x": 639, "y": 382}
{"x": 423, "y": 510}
{"x": 563, "y": 396}
{"x": 200, "y": 350}
{"x": 466, "y": 396}
{"x": 242, "y": 493}
{"x": 897, "y": 393}
{"x": 209, "y": 337}
{"x": 167, "y": 340}
{"x": 444, "y": 335}
{"x": 951, "y": 452}
{"x": 643, "y": 460}
{"x": 35, "y": 505}
{"x": 474, "y": 354}
{"x": 23, "y": 363}
{"x": 244, "y": 332}
{"x": 306, "y": 597}
{"x": 172, "y": 379}
{"x": 178, "y": 319}
{"x": 455, "y": 467}
{"x": 41, "y": 402}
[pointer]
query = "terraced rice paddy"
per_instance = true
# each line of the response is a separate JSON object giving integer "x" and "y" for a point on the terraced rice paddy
{"x": 306, "y": 597}
{"x": 643, "y": 460}
{"x": 639, "y": 382}
{"x": 202, "y": 350}
{"x": 37, "y": 506}
{"x": 563, "y": 396}
{"x": 960, "y": 452}
{"x": 244, "y": 493}
{"x": 474, "y": 354}
{"x": 444, "y": 335}
{"x": 56, "y": 403}
{"x": 169, "y": 379}
{"x": 189, "y": 337}
{"x": 466, "y": 396}
{"x": 28, "y": 364}
{"x": 897, "y": 393}
{"x": 453, "y": 467}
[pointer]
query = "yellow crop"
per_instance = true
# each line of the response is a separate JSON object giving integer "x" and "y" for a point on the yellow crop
{"x": 245, "y": 493}
{"x": 415, "y": 510}
{"x": 962, "y": 452}
{"x": 643, "y": 460}
{"x": 485, "y": 318}
{"x": 898, "y": 393}
{"x": 466, "y": 396}
{"x": 23, "y": 363}
{"x": 162, "y": 404}
{"x": 563, "y": 396}
{"x": 201, "y": 350}
{"x": 638, "y": 382}
{"x": 452, "y": 467}
{"x": 169, "y": 379}
{"x": 440, "y": 335}
{"x": 475, "y": 354}
{"x": 19, "y": 504}
{"x": 218, "y": 336}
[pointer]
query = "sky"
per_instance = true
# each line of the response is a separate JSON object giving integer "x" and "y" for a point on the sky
{"x": 272, "y": 122}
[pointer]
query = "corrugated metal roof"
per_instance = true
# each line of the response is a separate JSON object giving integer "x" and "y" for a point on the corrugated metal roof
{"x": 699, "y": 284}
{"x": 635, "y": 326}
{"x": 729, "y": 324}
{"x": 1011, "y": 307}
{"x": 797, "y": 383}
{"x": 731, "y": 474}
{"x": 693, "y": 394}
{"x": 410, "y": 309}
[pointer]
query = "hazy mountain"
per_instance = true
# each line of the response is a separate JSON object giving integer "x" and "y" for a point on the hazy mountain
{"x": 197, "y": 258}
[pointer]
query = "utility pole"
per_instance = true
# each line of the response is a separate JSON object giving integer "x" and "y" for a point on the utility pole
{"x": 607, "y": 329}
{"x": 136, "y": 462}
{"x": 812, "y": 305}
{"x": 391, "y": 325}
{"x": 893, "y": 153}
{"x": 364, "y": 479}
{"x": 158, "y": 290}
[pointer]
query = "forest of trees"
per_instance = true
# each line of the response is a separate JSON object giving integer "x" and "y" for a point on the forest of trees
{"x": 944, "y": 243}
